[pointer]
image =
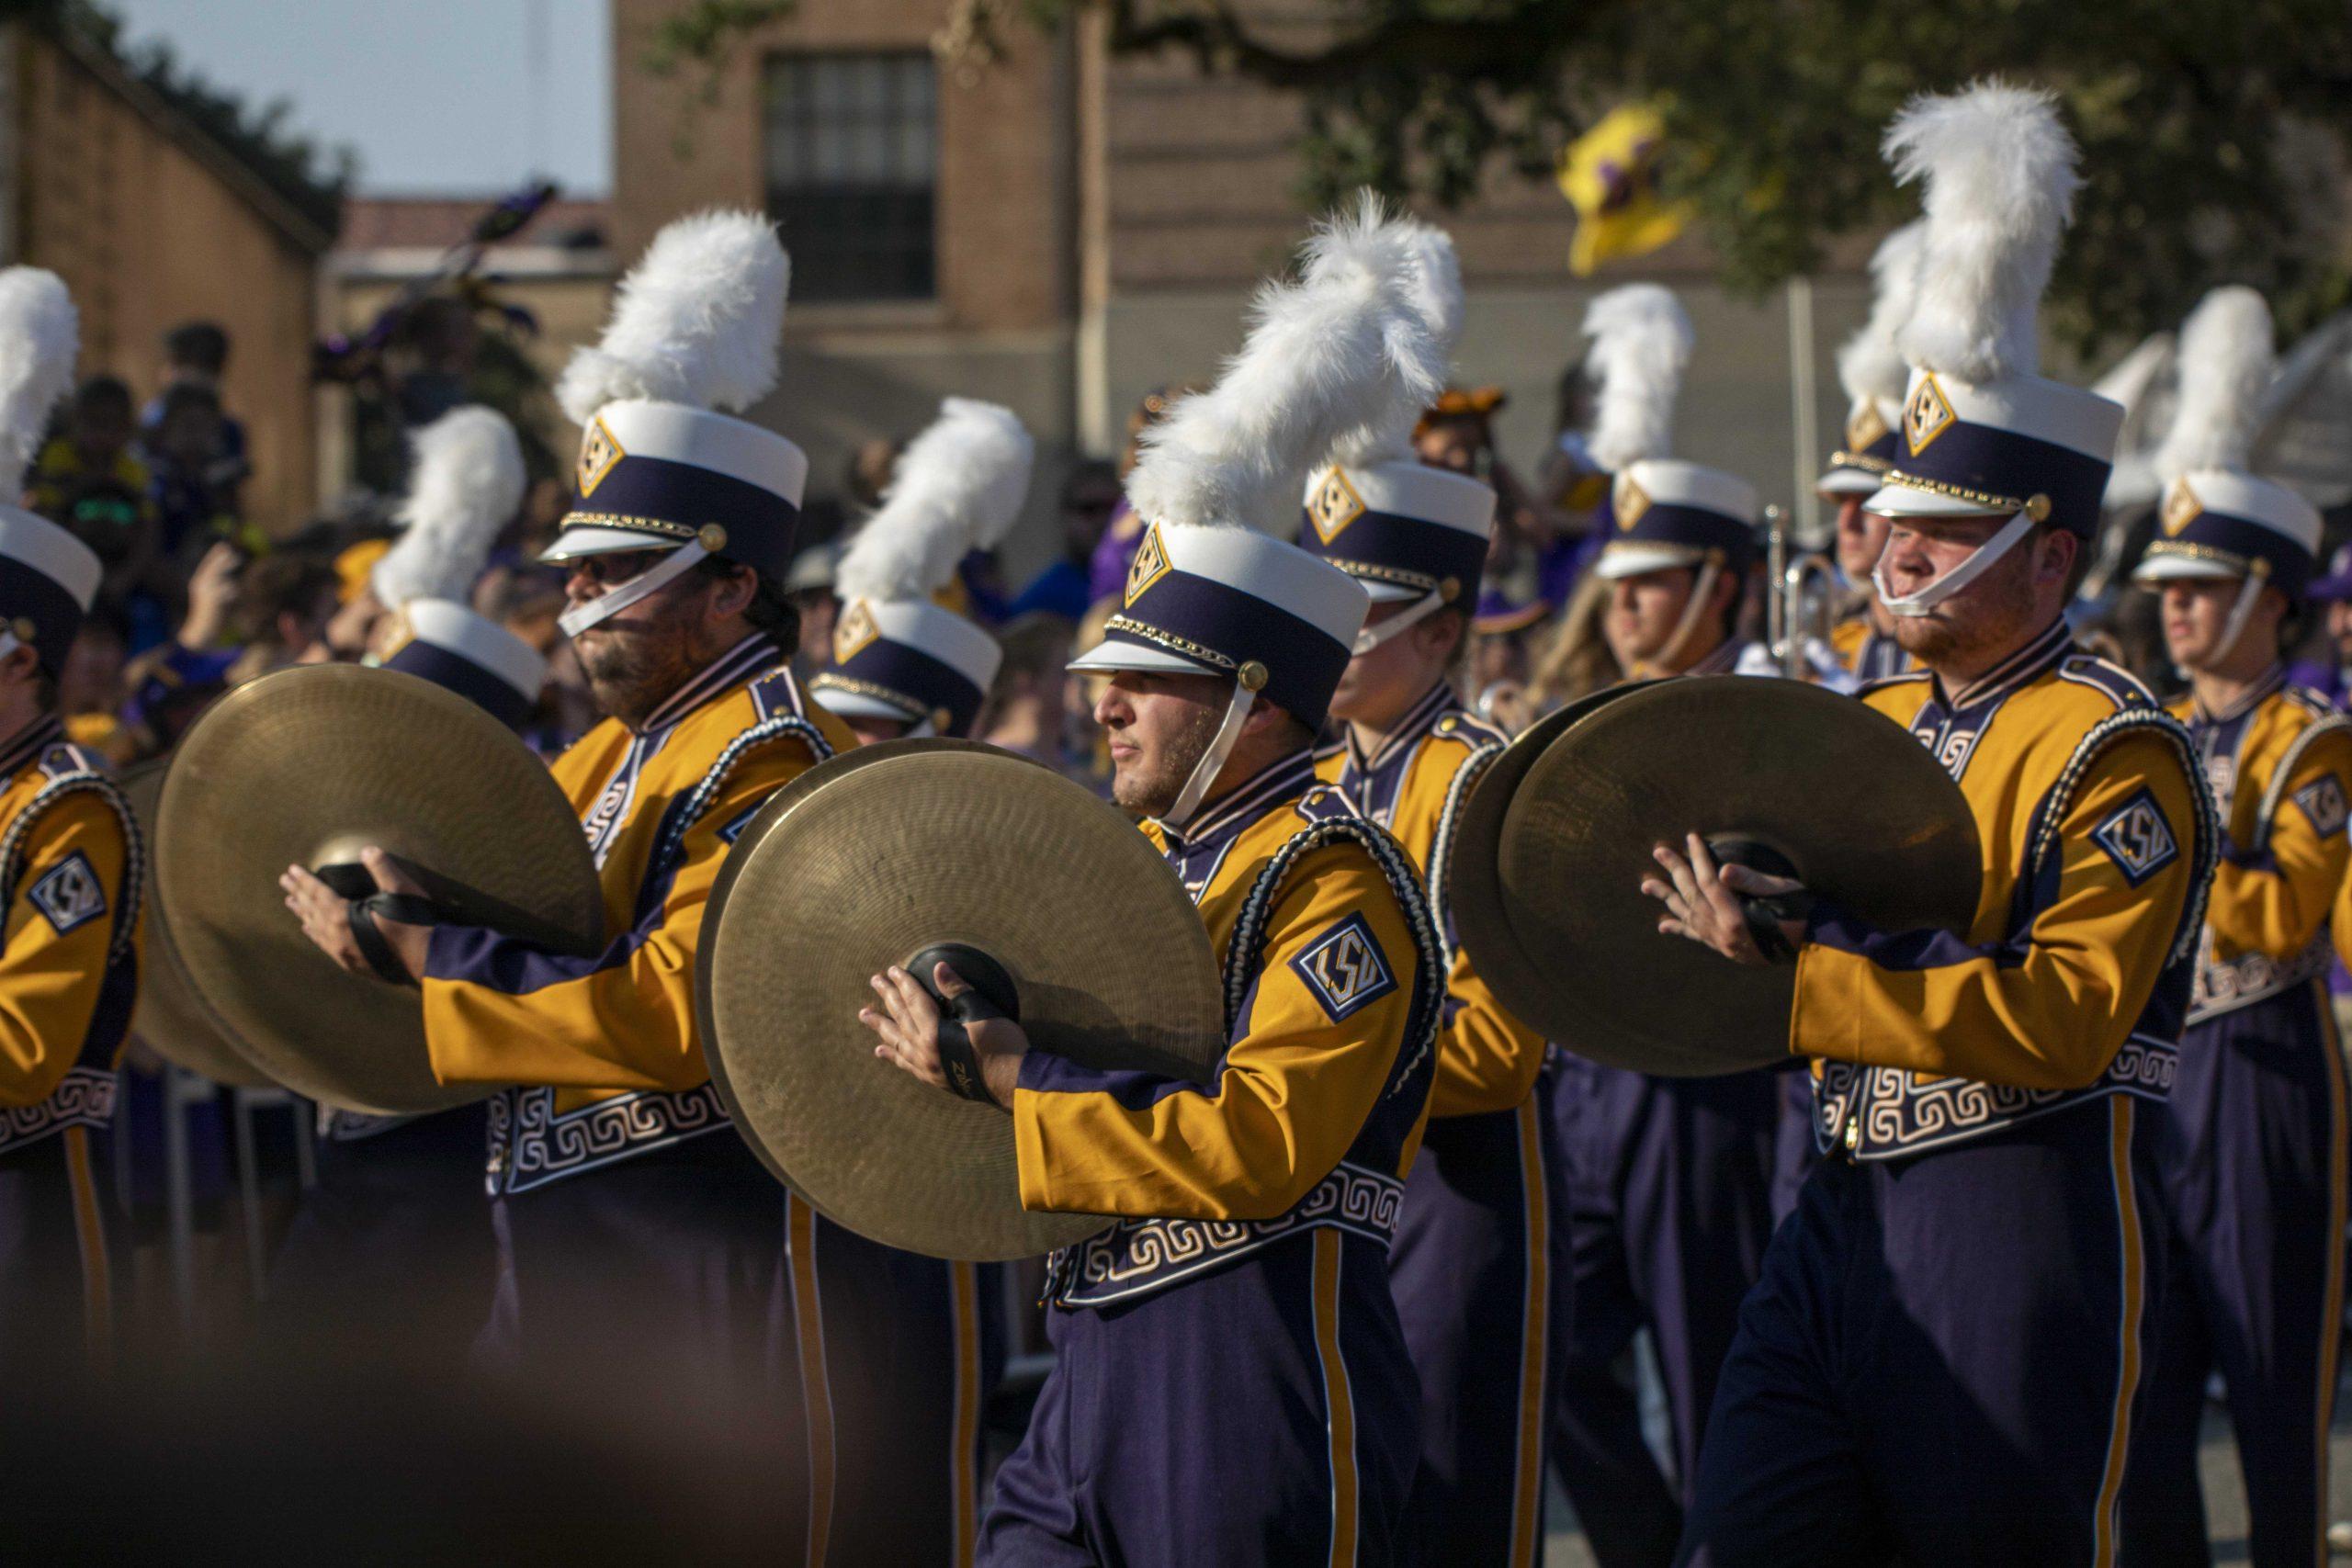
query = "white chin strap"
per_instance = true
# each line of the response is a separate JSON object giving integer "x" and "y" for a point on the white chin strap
{"x": 1913, "y": 605}
{"x": 1212, "y": 763}
{"x": 620, "y": 596}
{"x": 1703, "y": 588}
{"x": 2232, "y": 629}
{"x": 8, "y": 643}
{"x": 1372, "y": 636}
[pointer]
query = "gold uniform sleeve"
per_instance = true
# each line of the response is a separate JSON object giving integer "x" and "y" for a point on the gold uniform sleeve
{"x": 499, "y": 1009}
{"x": 2046, "y": 1007}
{"x": 2274, "y": 899}
{"x": 1486, "y": 1059}
{"x": 1314, "y": 1050}
{"x": 60, "y": 929}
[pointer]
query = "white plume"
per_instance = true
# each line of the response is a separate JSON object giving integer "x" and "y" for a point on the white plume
{"x": 1330, "y": 359}
{"x": 1999, "y": 171}
{"x": 39, "y": 334}
{"x": 1437, "y": 285}
{"x": 2225, "y": 362}
{"x": 1868, "y": 365}
{"x": 958, "y": 487}
{"x": 465, "y": 482}
{"x": 1429, "y": 276}
{"x": 1641, "y": 344}
{"x": 697, "y": 321}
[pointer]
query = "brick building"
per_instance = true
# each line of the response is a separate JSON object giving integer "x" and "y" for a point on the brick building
{"x": 152, "y": 222}
{"x": 1063, "y": 230}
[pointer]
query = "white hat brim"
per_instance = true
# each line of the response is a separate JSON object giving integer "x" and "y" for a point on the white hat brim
{"x": 1388, "y": 592}
{"x": 1109, "y": 658}
{"x": 1619, "y": 561}
{"x": 857, "y": 705}
{"x": 589, "y": 540}
{"x": 2183, "y": 569}
{"x": 1848, "y": 482}
{"x": 1902, "y": 500}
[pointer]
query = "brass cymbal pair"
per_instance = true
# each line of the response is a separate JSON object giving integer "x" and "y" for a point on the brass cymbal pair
{"x": 306, "y": 767}
{"x": 869, "y": 860}
{"x": 1556, "y": 840}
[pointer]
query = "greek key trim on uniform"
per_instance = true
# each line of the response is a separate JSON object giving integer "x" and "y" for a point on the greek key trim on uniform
{"x": 1898, "y": 1115}
{"x": 84, "y": 1098}
{"x": 1136, "y": 1256}
{"x": 2226, "y": 985}
{"x": 530, "y": 1146}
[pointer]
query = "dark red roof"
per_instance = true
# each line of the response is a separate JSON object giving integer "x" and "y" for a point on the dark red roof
{"x": 402, "y": 222}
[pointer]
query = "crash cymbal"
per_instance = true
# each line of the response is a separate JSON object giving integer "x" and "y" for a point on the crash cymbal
{"x": 172, "y": 1018}
{"x": 871, "y": 859}
{"x": 1859, "y": 809}
{"x": 1473, "y": 878}
{"x": 306, "y": 767}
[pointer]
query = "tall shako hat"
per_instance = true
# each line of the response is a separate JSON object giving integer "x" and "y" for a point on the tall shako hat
{"x": 897, "y": 655}
{"x": 1403, "y": 529}
{"x": 465, "y": 481}
{"x": 1211, "y": 590}
{"x": 694, "y": 330}
{"x": 2216, "y": 519}
{"x": 1872, "y": 370}
{"x": 1669, "y": 513}
{"x": 48, "y": 577}
{"x": 1981, "y": 433}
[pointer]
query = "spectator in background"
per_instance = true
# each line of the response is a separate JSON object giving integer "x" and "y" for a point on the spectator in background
{"x": 197, "y": 494}
{"x": 1090, "y": 494}
{"x": 90, "y": 480}
{"x": 1023, "y": 713}
{"x": 196, "y": 354}
{"x": 2330, "y": 671}
{"x": 245, "y": 619}
{"x": 89, "y": 687}
{"x": 431, "y": 359}
{"x": 810, "y": 587}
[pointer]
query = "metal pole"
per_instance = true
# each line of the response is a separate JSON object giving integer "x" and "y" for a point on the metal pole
{"x": 1801, "y": 397}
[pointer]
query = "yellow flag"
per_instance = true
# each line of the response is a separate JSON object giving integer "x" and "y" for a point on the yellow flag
{"x": 1609, "y": 177}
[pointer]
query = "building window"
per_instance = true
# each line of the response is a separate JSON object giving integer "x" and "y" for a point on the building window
{"x": 852, "y": 162}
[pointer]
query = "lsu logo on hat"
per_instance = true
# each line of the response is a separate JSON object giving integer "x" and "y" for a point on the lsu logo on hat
{"x": 1148, "y": 567}
{"x": 1335, "y": 505}
{"x": 598, "y": 453}
{"x": 1345, "y": 969}
{"x": 854, "y": 631}
{"x": 1926, "y": 414}
{"x": 2181, "y": 507}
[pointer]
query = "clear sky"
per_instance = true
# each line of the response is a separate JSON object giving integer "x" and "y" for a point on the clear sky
{"x": 460, "y": 95}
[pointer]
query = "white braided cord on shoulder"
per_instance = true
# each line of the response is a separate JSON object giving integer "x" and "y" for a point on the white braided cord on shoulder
{"x": 2274, "y": 795}
{"x": 1465, "y": 779}
{"x": 2203, "y": 854}
{"x": 776, "y": 727}
{"x": 1246, "y": 952}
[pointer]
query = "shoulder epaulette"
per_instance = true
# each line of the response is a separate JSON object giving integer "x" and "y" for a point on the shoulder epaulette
{"x": 2121, "y": 686}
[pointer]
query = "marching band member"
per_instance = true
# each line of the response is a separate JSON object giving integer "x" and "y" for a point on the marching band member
{"x": 1943, "y": 1359}
{"x": 629, "y": 1224}
{"x": 1470, "y": 1264}
{"x": 2253, "y": 1139}
{"x": 1230, "y": 1384}
{"x": 906, "y": 1346}
{"x": 1665, "y": 1182}
{"x": 1875, "y": 379}
{"x": 393, "y": 1243}
{"x": 72, "y": 882}
{"x": 903, "y": 664}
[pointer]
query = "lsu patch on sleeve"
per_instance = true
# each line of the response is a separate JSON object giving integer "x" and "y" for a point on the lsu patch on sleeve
{"x": 2322, "y": 802}
{"x": 1345, "y": 969}
{"x": 68, "y": 895}
{"x": 2137, "y": 838}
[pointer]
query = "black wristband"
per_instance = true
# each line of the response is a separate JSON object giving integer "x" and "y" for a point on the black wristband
{"x": 957, "y": 1056}
{"x": 404, "y": 908}
{"x": 1764, "y": 916}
